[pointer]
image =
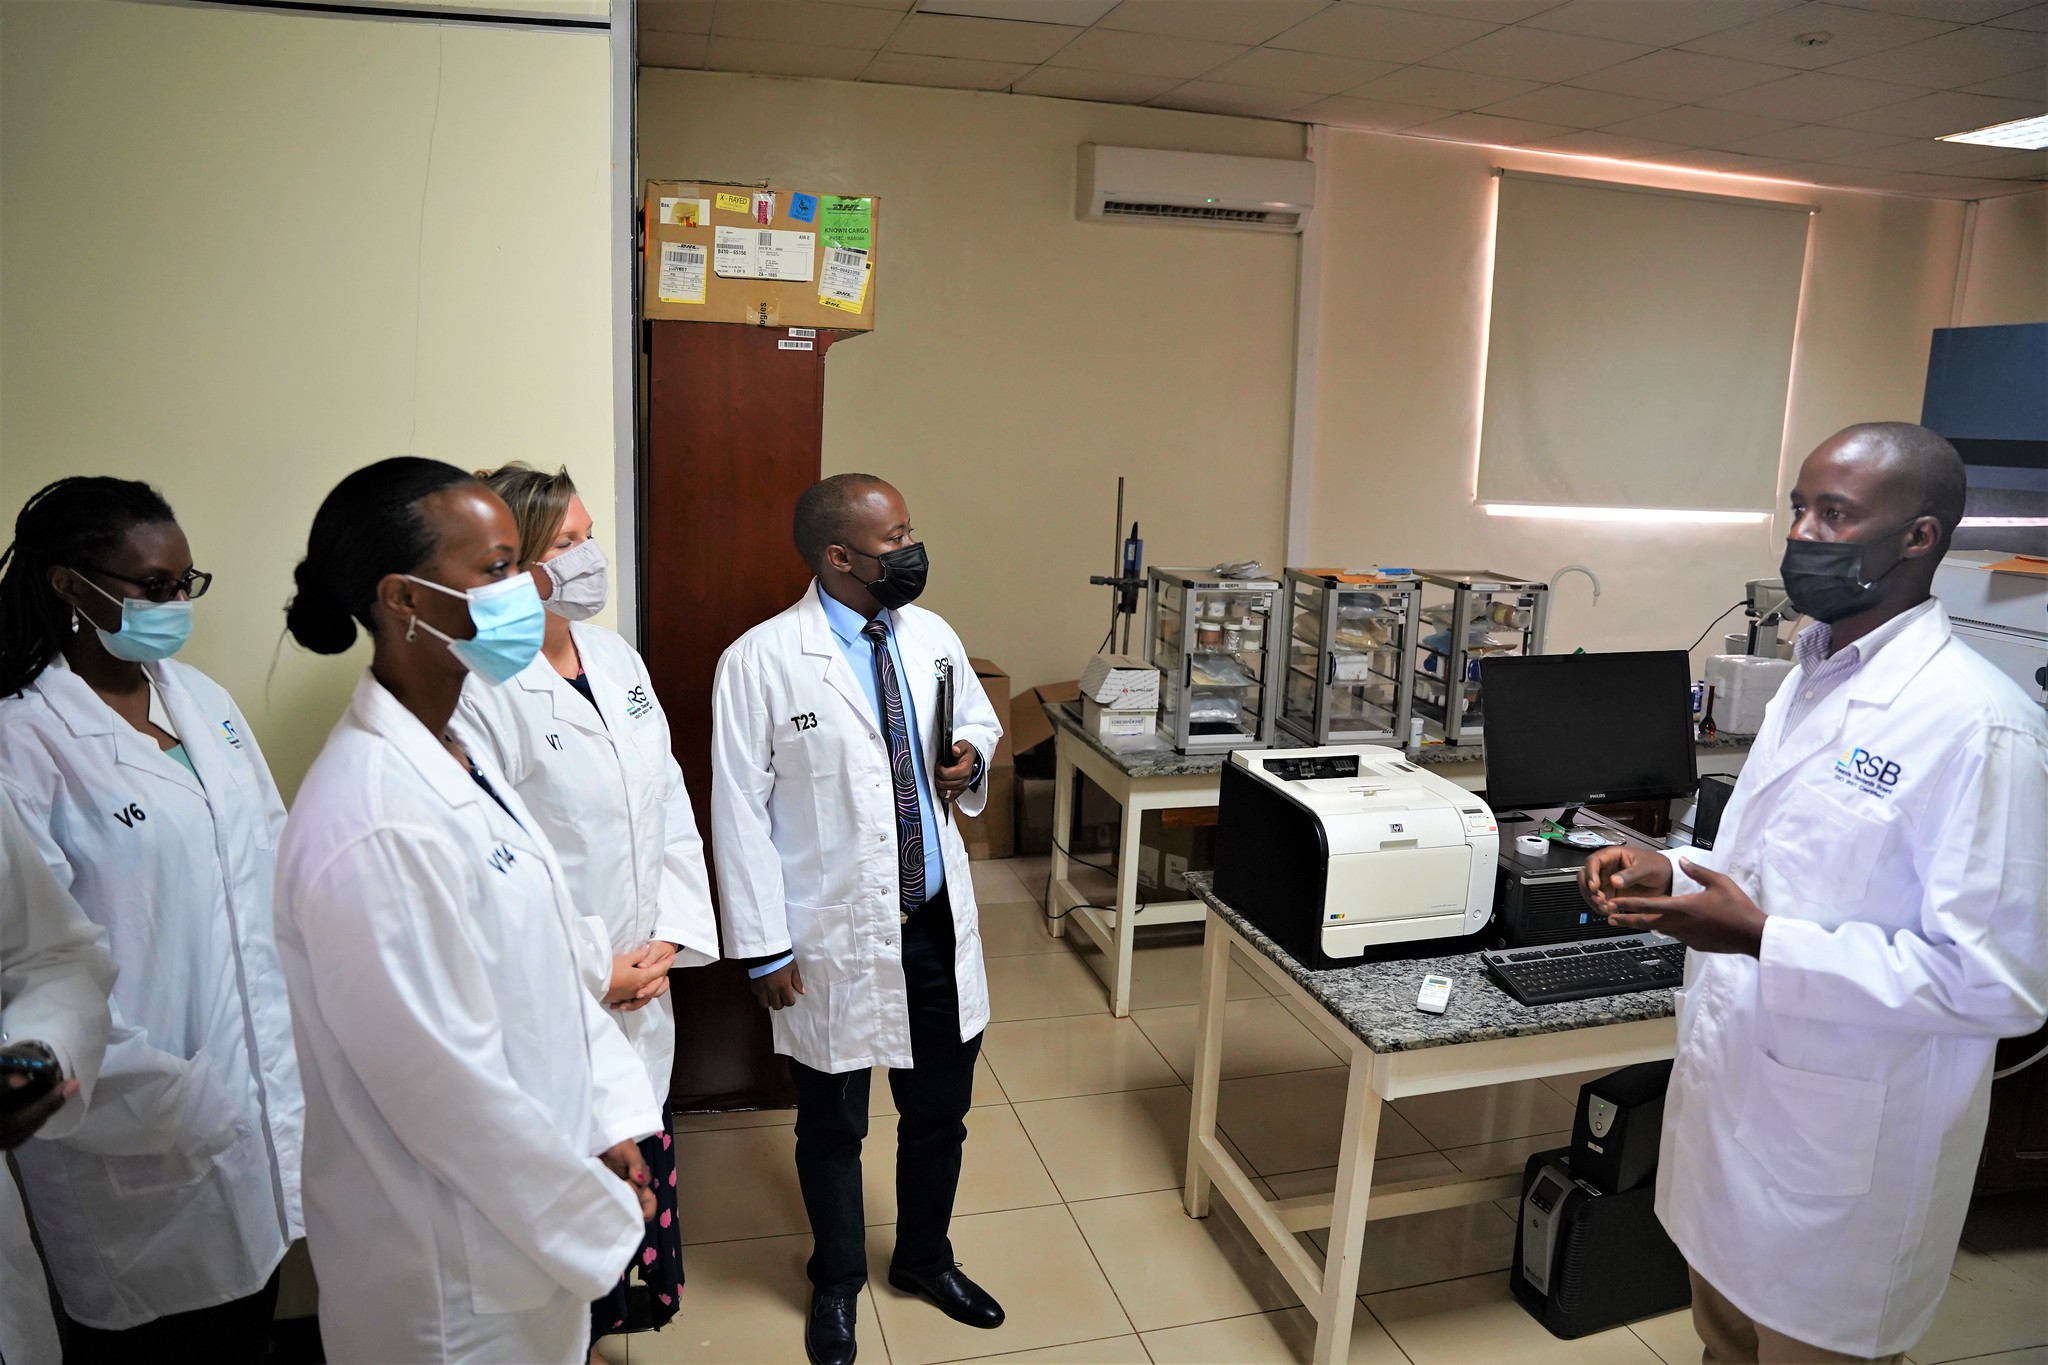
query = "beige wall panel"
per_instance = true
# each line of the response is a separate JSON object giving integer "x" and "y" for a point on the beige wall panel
{"x": 2008, "y": 272}
{"x": 244, "y": 253}
{"x": 1402, "y": 341}
{"x": 1021, "y": 359}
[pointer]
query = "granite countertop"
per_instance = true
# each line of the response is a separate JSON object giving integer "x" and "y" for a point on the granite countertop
{"x": 1376, "y": 1001}
{"x": 1153, "y": 756}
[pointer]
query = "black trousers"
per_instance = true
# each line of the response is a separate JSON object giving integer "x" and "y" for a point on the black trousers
{"x": 932, "y": 1099}
{"x": 232, "y": 1333}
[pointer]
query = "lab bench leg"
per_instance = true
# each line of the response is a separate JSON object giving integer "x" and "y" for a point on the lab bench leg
{"x": 1208, "y": 1064}
{"x": 1347, "y": 1216}
{"x": 1064, "y": 777}
{"x": 1132, "y": 828}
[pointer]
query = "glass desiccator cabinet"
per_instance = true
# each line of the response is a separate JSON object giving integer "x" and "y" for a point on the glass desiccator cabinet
{"x": 1350, "y": 655}
{"x": 1209, "y": 638}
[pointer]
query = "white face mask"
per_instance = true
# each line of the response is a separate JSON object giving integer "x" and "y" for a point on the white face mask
{"x": 582, "y": 579}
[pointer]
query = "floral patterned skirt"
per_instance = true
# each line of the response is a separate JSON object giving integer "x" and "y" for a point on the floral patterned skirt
{"x": 646, "y": 1296}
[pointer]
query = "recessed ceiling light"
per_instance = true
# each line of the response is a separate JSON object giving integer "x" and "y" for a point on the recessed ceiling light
{"x": 2030, "y": 134}
{"x": 1813, "y": 39}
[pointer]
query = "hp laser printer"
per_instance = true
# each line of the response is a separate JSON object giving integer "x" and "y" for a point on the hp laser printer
{"x": 1341, "y": 854}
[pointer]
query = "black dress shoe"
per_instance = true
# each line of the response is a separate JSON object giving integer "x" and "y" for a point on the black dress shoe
{"x": 958, "y": 1297}
{"x": 828, "y": 1336}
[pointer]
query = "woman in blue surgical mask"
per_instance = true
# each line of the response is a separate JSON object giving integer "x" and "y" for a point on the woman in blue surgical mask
{"x": 165, "y": 1215}
{"x": 473, "y": 1171}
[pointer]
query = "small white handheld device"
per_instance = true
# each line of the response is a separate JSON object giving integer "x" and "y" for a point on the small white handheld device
{"x": 1436, "y": 994}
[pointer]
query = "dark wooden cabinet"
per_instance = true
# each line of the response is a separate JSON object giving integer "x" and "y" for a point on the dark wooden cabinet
{"x": 735, "y": 428}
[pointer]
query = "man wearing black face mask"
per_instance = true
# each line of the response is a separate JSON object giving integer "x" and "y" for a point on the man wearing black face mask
{"x": 1872, "y": 921}
{"x": 845, "y": 888}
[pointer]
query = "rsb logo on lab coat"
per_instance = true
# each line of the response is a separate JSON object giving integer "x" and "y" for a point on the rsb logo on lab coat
{"x": 1867, "y": 772}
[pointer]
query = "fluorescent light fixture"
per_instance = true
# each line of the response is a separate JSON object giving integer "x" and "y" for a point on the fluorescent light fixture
{"x": 2004, "y": 523}
{"x": 1637, "y": 514}
{"x": 2028, "y": 134}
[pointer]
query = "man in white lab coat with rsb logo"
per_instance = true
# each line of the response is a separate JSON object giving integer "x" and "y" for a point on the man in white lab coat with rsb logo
{"x": 845, "y": 889}
{"x": 1873, "y": 920}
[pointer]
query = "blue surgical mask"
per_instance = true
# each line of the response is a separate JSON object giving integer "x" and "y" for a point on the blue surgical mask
{"x": 509, "y": 621}
{"x": 149, "y": 630}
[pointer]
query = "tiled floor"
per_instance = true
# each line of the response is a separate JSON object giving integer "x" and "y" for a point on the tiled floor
{"x": 1069, "y": 1208}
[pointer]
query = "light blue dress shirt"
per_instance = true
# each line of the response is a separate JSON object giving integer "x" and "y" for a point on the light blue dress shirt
{"x": 847, "y": 625}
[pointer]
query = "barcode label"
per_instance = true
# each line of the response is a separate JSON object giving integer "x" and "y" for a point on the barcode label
{"x": 843, "y": 283}
{"x": 682, "y": 273}
{"x": 754, "y": 254}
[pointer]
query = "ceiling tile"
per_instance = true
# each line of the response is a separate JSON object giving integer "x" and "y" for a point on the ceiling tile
{"x": 1696, "y": 126}
{"x": 1532, "y": 54}
{"x": 1308, "y": 71}
{"x": 1714, "y": 159}
{"x": 1945, "y": 11}
{"x": 1221, "y": 21}
{"x": 1919, "y": 154}
{"x": 2033, "y": 19}
{"x": 1488, "y": 11}
{"x": 1077, "y": 13}
{"x": 807, "y": 22}
{"x": 1249, "y": 101}
{"x": 1687, "y": 76}
{"x": 1105, "y": 87}
{"x": 2011, "y": 166}
{"x": 1574, "y": 108}
{"x": 898, "y": 5}
{"x": 673, "y": 16}
{"x": 1505, "y": 132}
{"x": 1381, "y": 35}
{"x": 2021, "y": 85}
{"x": 1344, "y": 111}
{"x": 1826, "y": 173}
{"x": 988, "y": 40}
{"x": 1665, "y": 23}
{"x": 1442, "y": 89}
{"x": 1811, "y": 142}
{"x": 1812, "y": 96}
{"x": 956, "y": 73}
{"x": 1956, "y": 58}
{"x": 1938, "y": 115}
{"x": 1605, "y": 144}
{"x": 1851, "y": 33}
{"x": 786, "y": 59}
{"x": 683, "y": 51}
{"x": 1145, "y": 54}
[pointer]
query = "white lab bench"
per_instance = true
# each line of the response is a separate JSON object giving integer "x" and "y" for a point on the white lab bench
{"x": 1149, "y": 776}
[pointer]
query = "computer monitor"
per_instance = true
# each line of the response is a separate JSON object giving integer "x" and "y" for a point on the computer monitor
{"x": 1588, "y": 729}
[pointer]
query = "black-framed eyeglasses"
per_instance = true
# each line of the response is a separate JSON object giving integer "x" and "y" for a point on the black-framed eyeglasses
{"x": 193, "y": 584}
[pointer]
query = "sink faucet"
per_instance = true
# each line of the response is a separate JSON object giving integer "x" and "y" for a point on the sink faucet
{"x": 1591, "y": 577}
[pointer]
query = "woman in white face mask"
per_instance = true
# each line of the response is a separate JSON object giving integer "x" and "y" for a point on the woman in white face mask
{"x": 583, "y": 741}
{"x": 165, "y": 1214}
{"x": 473, "y": 1174}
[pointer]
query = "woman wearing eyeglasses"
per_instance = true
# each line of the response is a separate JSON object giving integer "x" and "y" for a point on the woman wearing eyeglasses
{"x": 165, "y": 1214}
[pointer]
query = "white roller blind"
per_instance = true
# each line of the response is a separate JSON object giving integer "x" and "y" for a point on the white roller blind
{"x": 1640, "y": 347}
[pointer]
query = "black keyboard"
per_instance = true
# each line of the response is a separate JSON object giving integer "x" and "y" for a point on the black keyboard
{"x": 1580, "y": 971}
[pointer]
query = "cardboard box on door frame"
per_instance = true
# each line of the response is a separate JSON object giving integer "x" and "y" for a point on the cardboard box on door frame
{"x": 758, "y": 256}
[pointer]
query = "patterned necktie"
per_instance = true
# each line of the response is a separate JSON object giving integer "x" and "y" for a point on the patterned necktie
{"x": 903, "y": 774}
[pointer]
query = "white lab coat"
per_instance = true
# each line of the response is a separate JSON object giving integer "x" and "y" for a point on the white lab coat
{"x": 180, "y": 1190}
{"x": 1828, "y": 1105}
{"x": 460, "y": 1080}
{"x": 54, "y": 979}
{"x": 803, "y": 821}
{"x": 609, "y": 796}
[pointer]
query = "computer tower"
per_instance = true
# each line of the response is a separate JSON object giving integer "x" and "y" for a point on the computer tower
{"x": 1586, "y": 1260}
{"x": 1536, "y": 895}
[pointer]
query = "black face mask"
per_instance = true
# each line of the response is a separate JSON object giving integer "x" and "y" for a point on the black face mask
{"x": 903, "y": 575}
{"x": 1825, "y": 579}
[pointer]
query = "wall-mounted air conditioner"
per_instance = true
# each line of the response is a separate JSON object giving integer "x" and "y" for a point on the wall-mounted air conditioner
{"x": 1138, "y": 185}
